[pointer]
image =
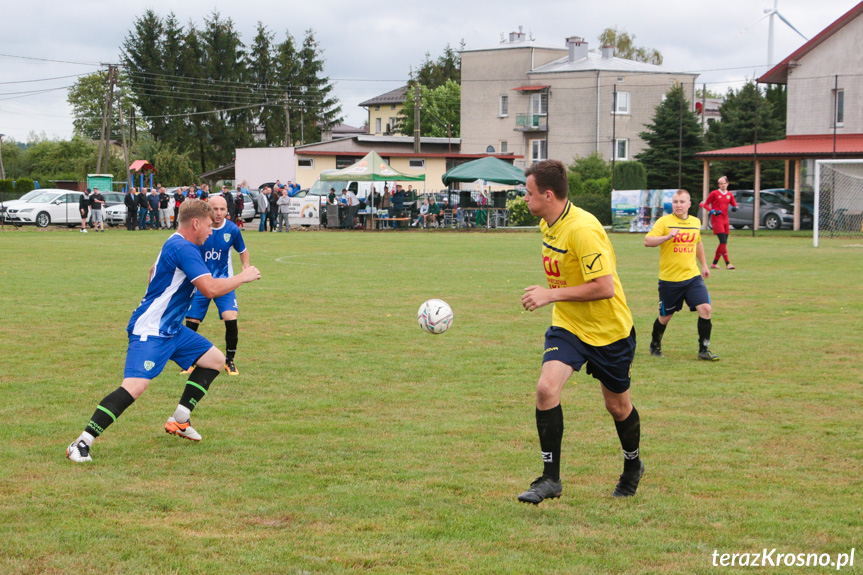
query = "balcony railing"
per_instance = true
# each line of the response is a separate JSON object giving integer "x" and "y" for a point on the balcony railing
{"x": 531, "y": 123}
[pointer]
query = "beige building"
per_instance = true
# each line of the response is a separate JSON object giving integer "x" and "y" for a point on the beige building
{"x": 384, "y": 112}
{"x": 540, "y": 101}
{"x": 437, "y": 155}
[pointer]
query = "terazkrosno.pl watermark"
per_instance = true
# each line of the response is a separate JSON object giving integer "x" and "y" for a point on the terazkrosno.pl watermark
{"x": 775, "y": 558}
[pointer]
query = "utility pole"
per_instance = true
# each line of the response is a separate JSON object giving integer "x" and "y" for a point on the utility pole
{"x": 287, "y": 122}
{"x": 613, "y": 132}
{"x": 125, "y": 147}
{"x": 106, "y": 112}
{"x": 416, "y": 118}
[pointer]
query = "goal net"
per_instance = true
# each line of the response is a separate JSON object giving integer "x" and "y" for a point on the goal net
{"x": 838, "y": 199}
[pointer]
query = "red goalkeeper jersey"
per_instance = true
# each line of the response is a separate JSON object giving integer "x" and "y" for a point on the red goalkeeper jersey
{"x": 716, "y": 200}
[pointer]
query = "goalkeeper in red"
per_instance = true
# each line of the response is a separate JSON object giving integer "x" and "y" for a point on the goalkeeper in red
{"x": 680, "y": 281}
{"x": 718, "y": 203}
{"x": 591, "y": 327}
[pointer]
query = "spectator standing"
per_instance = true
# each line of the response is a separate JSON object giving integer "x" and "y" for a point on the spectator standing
{"x": 263, "y": 208}
{"x": 143, "y": 209}
{"x": 97, "y": 202}
{"x": 84, "y": 208}
{"x": 386, "y": 203}
{"x": 131, "y": 203}
{"x": 229, "y": 200}
{"x": 179, "y": 198}
{"x": 398, "y": 203}
{"x": 239, "y": 205}
{"x": 283, "y": 204}
{"x": 353, "y": 208}
{"x": 153, "y": 205}
{"x": 164, "y": 209}
{"x": 274, "y": 208}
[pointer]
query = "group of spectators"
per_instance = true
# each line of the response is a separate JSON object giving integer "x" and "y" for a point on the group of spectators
{"x": 92, "y": 201}
{"x": 155, "y": 209}
{"x": 273, "y": 205}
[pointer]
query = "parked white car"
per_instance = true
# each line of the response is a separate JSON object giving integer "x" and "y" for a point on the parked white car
{"x": 16, "y": 203}
{"x": 52, "y": 206}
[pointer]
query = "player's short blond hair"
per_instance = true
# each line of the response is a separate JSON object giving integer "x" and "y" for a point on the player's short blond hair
{"x": 681, "y": 192}
{"x": 195, "y": 209}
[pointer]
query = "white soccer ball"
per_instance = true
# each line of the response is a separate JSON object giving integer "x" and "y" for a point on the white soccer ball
{"x": 435, "y": 316}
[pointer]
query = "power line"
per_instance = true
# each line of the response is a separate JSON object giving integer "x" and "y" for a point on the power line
{"x": 50, "y": 60}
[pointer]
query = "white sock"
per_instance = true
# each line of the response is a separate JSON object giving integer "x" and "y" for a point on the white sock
{"x": 87, "y": 438}
{"x": 182, "y": 414}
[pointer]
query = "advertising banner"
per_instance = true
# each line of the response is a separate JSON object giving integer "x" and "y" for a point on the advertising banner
{"x": 637, "y": 210}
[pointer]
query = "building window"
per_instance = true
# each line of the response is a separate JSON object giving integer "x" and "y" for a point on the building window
{"x": 377, "y": 125}
{"x": 417, "y": 164}
{"x": 539, "y": 104}
{"x": 392, "y": 125}
{"x": 621, "y": 103}
{"x": 538, "y": 150}
{"x": 621, "y": 149}
{"x": 392, "y": 106}
{"x": 306, "y": 163}
{"x": 377, "y": 108}
{"x": 839, "y": 107}
{"x": 503, "y": 149}
{"x": 344, "y": 161}
{"x": 504, "y": 107}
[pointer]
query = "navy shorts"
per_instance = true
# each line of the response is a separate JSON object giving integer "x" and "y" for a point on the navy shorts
{"x": 201, "y": 304}
{"x": 147, "y": 355}
{"x": 611, "y": 364}
{"x": 673, "y": 294}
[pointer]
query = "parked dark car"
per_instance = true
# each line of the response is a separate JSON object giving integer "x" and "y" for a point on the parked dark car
{"x": 807, "y": 199}
{"x": 775, "y": 212}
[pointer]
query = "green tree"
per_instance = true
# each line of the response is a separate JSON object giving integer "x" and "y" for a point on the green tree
{"x": 320, "y": 110}
{"x": 87, "y": 98}
{"x": 440, "y": 111}
{"x": 262, "y": 76}
{"x": 624, "y": 47}
{"x": 738, "y": 128}
{"x": 673, "y": 139}
{"x": 447, "y": 68}
{"x": 142, "y": 56}
{"x": 629, "y": 175}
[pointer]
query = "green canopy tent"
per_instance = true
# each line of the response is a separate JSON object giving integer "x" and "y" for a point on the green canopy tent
{"x": 371, "y": 168}
{"x": 488, "y": 169}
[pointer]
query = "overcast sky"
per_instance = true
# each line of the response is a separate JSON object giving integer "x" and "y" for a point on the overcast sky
{"x": 370, "y": 47}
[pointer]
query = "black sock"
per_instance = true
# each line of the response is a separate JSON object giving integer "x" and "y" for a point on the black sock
{"x": 114, "y": 404}
{"x": 231, "y": 337}
{"x": 192, "y": 325}
{"x": 197, "y": 386}
{"x": 704, "y": 327}
{"x": 658, "y": 331}
{"x": 549, "y": 424}
{"x": 629, "y": 432}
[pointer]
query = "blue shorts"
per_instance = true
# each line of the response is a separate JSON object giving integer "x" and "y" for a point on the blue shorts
{"x": 146, "y": 358}
{"x": 200, "y": 304}
{"x": 611, "y": 364}
{"x": 673, "y": 294}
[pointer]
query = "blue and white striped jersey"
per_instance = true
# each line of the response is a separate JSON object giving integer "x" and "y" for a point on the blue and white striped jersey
{"x": 169, "y": 292}
{"x": 217, "y": 249}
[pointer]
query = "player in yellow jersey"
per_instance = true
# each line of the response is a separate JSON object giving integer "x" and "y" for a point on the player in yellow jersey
{"x": 591, "y": 324}
{"x": 679, "y": 235}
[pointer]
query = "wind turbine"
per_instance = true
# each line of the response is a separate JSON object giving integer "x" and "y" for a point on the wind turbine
{"x": 771, "y": 14}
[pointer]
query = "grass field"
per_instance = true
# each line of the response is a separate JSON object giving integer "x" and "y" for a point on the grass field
{"x": 352, "y": 441}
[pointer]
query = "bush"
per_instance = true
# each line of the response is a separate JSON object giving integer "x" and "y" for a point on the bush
{"x": 519, "y": 215}
{"x": 24, "y": 185}
{"x": 575, "y": 186}
{"x": 630, "y": 176}
{"x": 599, "y": 187}
{"x": 6, "y": 186}
{"x": 599, "y": 206}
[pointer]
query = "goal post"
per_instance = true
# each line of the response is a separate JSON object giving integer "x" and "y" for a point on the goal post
{"x": 838, "y": 207}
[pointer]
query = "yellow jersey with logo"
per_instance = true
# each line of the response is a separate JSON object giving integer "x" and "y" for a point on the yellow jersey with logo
{"x": 576, "y": 250}
{"x": 677, "y": 262}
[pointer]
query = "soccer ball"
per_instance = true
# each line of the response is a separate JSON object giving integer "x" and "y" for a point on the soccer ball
{"x": 435, "y": 316}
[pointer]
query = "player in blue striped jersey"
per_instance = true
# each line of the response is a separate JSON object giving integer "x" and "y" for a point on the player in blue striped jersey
{"x": 217, "y": 256}
{"x": 157, "y": 334}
